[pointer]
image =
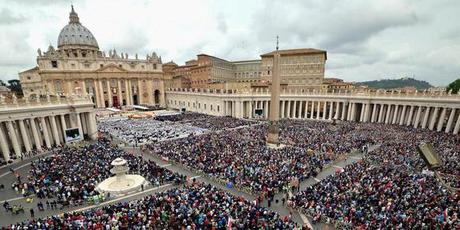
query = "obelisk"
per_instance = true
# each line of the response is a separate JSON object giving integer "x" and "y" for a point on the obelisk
{"x": 273, "y": 129}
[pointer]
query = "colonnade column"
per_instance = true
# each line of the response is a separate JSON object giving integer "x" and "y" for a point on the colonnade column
{"x": 374, "y": 113}
{"x": 13, "y": 137}
{"x": 433, "y": 118}
{"x": 46, "y": 133}
{"x": 417, "y": 117}
{"x": 33, "y": 126}
{"x": 395, "y": 115}
{"x": 250, "y": 113}
{"x": 294, "y": 110}
{"x": 324, "y": 110}
{"x": 353, "y": 111}
{"x": 4, "y": 144}
{"x": 344, "y": 110}
{"x": 312, "y": 109}
{"x": 425, "y": 117}
{"x": 266, "y": 109}
{"x": 305, "y": 115}
{"x": 299, "y": 115}
{"x": 282, "y": 108}
{"x": 96, "y": 95}
{"x": 92, "y": 127}
{"x": 457, "y": 126}
{"x": 387, "y": 117}
{"x": 288, "y": 114}
{"x": 450, "y": 121}
{"x": 441, "y": 119}
{"x": 403, "y": 116}
{"x": 318, "y": 111}
{"x": 54, "y": 130}
{"x": 25, "y": 137}
{"x": 411, "y": 114}
{"x": 366, "y": 112}
{"x": 337, "y": 110}
{"x": 331, "y": 109}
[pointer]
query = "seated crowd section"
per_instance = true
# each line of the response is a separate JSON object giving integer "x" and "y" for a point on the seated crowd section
{"x": 390, "y": 187}
{"x": 195, "y": 206}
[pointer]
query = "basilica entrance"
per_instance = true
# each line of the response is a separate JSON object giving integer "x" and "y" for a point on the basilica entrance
{"x": 116, "y": 102}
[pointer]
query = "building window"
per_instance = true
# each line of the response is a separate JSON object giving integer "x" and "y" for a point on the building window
{"x": 54, "y": 64}
{"x": 87, "y": 65}
{"x": 119, "y": 66}
{"x": 72, "y": 65}
{"x": 102, "y": 65}
{"x": 28, "y": 77}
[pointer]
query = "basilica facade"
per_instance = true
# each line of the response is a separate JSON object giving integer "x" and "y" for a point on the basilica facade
{"x": 77, "y": 66}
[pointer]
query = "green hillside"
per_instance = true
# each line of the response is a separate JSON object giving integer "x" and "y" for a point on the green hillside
{"x": 396, "y": 83}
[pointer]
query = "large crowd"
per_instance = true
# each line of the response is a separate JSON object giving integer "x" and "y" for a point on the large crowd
{"x": 147, "y": 130}
{"x": 390, "y": 187}
{"x": 241, "y": 157}
{"x": 195, "y": 206}
{"x": 205, "y": 121}
{"x": 71, "y": 174}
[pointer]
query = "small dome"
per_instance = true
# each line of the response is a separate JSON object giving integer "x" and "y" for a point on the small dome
{"x": 75, "y": 34}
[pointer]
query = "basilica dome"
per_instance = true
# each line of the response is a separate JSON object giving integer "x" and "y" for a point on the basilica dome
{"x": 75, "y": 35}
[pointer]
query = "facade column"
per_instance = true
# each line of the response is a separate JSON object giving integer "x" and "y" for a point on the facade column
{"x": 120, "y": 95}
{"x": 4, "y": 144}
{"x": 109, "y": 93}
{"x": 130, "y": 92}
{"x": 417, "y": 117}
{"x": 101, "y": 90}
{"x": 318, "y": 110}
{"x": 96, "y": 95}
{"x": 54, "y": 130}
{"x": 80, "y": 129}
{"x": 337, "y": 110}
{"x": 433, "y": 118}
{"x": 344, "y": 110}
{"x": 128, "y": 102}
{"x": 395, "y": 115}
{"x": 312, "y": 109}
{"x": 46, "y": 133}
{"x": 387, "y": 117}
{"x": 425, "y": 117}
{"x": 13, "y": 137}
{"x": 441, "y": 119}
{"x": 450, "y": 121}
{"x": 33, "y": 126}
{"x": 83, "y": 85}
{"x": 411, "y": 114}
{"x": 25, "y": 136}
{"x": 403, "y": 115}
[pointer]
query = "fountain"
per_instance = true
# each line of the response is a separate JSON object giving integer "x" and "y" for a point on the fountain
{"x": 122, "y": 183}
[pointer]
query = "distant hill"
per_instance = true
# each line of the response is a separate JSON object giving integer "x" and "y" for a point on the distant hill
{"x": 396, "y": 83}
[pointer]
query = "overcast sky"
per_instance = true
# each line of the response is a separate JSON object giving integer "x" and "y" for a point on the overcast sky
{"x": 365, "y": 40}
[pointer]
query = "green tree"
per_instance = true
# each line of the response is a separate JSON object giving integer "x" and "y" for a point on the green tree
{"x": 15, "y": 86}
{"x": 454, "y": 86}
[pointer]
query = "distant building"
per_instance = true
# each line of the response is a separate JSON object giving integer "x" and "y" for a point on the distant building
{"x": 336, "y": 84}
{"x": 4, "y": 91}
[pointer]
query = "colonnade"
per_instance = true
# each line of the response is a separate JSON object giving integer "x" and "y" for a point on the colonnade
{"x": 36, "y": 125}
{"x": 434, "y": 112}
{"x": 18, "y": 136}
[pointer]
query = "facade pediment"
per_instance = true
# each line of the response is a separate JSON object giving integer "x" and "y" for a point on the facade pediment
{"x": 111, "y": 69}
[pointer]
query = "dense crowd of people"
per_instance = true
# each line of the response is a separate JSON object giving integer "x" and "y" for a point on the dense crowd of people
{"x": 195, "y": 206}
{"x": 205, "y": 121}
{"x": 147, "y": 130}
{"x": 241, "y": 157}
{"x": 71, "y": 174}
{"x": 391, "y": 187}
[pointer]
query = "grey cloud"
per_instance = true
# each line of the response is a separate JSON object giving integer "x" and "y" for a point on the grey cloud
{"x": 7, "y": 17}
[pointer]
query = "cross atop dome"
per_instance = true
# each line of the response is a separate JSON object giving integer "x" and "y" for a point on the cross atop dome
{"x": 73, "y": 16}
